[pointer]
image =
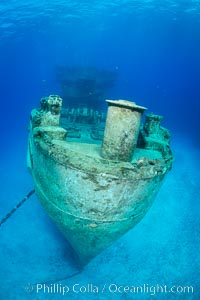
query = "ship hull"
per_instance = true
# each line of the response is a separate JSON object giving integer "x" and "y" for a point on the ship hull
{"x": 91, "y": 208}
{"x": 96, "y": 193}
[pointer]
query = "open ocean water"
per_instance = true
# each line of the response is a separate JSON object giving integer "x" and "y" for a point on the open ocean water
{"x": 154, "y": 48}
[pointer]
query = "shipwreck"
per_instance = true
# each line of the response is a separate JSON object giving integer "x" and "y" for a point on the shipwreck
{"x": 97, "y": 175}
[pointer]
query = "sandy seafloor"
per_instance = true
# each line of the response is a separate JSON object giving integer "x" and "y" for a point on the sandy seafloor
{"x": 153, "y": 46}
{"x": 162, "y": 249}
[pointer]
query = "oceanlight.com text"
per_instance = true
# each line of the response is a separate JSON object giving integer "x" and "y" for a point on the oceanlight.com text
{"x": 112, "y": 288}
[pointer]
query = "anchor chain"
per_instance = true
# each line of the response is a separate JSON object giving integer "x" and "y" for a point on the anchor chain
{"x": 8, "y": 215}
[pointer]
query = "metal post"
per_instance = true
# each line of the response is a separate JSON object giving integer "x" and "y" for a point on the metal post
{"x": 122, "y": 129}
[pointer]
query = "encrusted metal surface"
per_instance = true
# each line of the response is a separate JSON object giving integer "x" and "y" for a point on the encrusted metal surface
{"x": 94, "y": 200}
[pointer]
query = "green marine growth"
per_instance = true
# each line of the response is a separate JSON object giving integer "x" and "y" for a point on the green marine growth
{"x": 155, "y": 137}
{"x": 96, "y": 192}
{"x": 48, "y": 113}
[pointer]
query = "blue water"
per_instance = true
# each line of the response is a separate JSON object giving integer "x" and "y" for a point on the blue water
{"x": 154, "y": 47}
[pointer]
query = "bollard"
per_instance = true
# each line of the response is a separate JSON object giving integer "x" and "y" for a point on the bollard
{"x": 152, "y": 124}
{"x": 122, "y": 129}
